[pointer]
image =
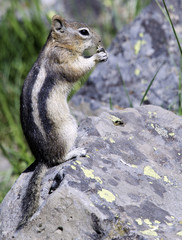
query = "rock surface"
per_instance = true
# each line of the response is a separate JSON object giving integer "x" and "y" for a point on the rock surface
{"x": 74, "y": 10}
{"x": 129, "y": 186}
{"x": 135, "y": 56}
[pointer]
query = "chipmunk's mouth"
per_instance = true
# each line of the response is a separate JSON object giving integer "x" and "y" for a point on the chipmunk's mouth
{"x": 91, "y": 51}
{"x": 88, "y": 53}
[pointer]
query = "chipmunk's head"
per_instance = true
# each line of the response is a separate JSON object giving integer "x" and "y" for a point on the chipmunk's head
{"x": 76, "y": 37}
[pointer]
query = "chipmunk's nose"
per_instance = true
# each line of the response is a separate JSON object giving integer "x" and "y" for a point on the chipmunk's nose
{"x": 98, "y": 37}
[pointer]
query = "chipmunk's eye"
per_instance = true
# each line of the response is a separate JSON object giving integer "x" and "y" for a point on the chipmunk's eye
{"x": 84, "y": 32}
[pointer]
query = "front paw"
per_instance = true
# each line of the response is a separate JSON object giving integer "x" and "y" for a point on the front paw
{"x": 100, "y": 49}
{"x": 77, "y": 152}
{"x": 101, "y": 55}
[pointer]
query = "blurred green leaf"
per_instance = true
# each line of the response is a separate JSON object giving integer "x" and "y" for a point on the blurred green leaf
{"x": 21, "y": 39}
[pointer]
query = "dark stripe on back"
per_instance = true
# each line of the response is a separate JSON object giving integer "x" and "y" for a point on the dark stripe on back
{"x": 30, "y": 129}
{"x": 26, "y": 98}
{"x": 42, "y": 102}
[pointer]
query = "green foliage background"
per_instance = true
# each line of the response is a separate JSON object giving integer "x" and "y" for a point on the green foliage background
{"x": 21, "y": 38}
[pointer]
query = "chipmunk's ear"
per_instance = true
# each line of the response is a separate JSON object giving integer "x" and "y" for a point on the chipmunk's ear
{"x": 58, "y": 23}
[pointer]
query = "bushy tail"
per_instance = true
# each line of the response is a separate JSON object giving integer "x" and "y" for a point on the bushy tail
{"x": 31, "y": 198}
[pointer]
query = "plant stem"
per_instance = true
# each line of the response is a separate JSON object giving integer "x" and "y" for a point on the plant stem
{"x": 149, "y": 86}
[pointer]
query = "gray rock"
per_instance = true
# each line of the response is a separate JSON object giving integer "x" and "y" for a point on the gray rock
{"x": 129, "y": 186}
{"x": 135, "y": 56}
{"x": 79, "y": 10}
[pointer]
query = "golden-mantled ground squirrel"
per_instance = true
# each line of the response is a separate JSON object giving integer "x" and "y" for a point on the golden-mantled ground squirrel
{"x": 48, "y": 126}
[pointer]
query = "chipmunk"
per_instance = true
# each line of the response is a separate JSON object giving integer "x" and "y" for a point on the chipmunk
{"x": 48, "y": 126}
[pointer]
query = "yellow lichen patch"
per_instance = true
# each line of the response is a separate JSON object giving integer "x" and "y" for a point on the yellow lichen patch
{"x": 73, "y": 167}
{"x": 134, "y": 166}
{"x": 117, "y": 121}
{"x": 111, "y": 140}
{"x": 171, "y": 134}
{"x": 131, "y": 137}
{"x": 141, "y": 34}
{"x": 157, "y": 222}
{"x": 150, "y": 172}
{"x": 166, "y": 179}
{"x": 79, "y": 163}
{"x": 89, "y": 173}
{"x": 147, "y": 221}
{"x": 107, "y": 195}
{"x": 152, "y": 114}
{"x": 169, "y": 224}
{"x": 152, "y": 125}
{"x": 179, "y": 233}
{"x": 180, "y": 222}
{"x": 87, "y": 156}
{"x": 149, "y": 232}
{"x": 98, "y": 179}
{"x": 137, "y": 71}
{"x": 139, "y": 221}
{"x": 138, "y": 46}
{"x": 114, "y": 118}
{"x": 155, "y": 149}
